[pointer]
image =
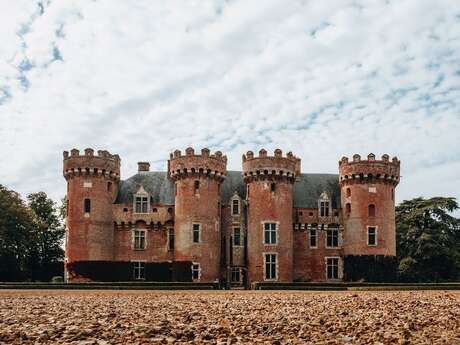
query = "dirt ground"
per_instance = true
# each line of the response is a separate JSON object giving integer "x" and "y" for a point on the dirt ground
{"x": 230, "y": 317}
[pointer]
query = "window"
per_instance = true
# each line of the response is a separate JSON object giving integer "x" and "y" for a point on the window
{"x": 139, "y": 270}
{"x": 236, "y": 236}
{"x": 273, "y": 187}
{"x": 87, "y": 205}
{"x": 348, "y": 192}
{"x": 139, "y": 240}
{"x": 270, "y": 233}
{"x": 236, "y": 275}
{"x": 332, "y": 268}
{"x": 196, "y": 233}
{"x": 196, "y": 271}
{"x": 142, "y": 204}
{"x": 109, "y": 186}
{"x": 270, "y": 266}
{"x": 348, "y": 208}
{"x": 371, "y": 236}
{"x": 197, "y": 187}
{"x": 313, "y": 238}
{"x": 170, "y": 239}
{"x": 332, "y": 238}
{"x": 235, "y": 207}
{"x": 371, "y": 210}
{"x": 324, "y": 209}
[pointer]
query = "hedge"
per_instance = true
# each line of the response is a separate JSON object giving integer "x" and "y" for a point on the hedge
{"x": 122, "y": 271}
{"x": 370, "y": 268}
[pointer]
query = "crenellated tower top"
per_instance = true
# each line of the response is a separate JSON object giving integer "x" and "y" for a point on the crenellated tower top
{"x": 276, "y": 166}
{"x": 102, "y": 164}
{"x": 369, "y": 170}
{"x": 191, "y": 164}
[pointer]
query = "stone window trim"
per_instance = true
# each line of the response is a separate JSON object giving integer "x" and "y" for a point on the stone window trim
{"x": 196, "y": 271}
{"x": 236, "y": 243}
{"x": 339, "y": 267}
{"x": 264, "y": 255}
{"x": 236, "y": 274}
{"x": 310, "y": 237}
{"x": 143, "y": 198}
{"x": 324, "y": 205}
{"x": 196, "y": 231}
{"x": 332, "y": 231}
{"x": 367, "y": 235}
{"x": 138, "y": 269}
{"x": 277, "y": 226}
{"x": 236, "y": 206}
{"x": 139, "y": 234}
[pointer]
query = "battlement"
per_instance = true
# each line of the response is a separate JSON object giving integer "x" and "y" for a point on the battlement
{"x": 102, "y": 164}
{"x": 265, "y": 166}
{"x": 191, "y": 164}
{"x": 369, "y": 170}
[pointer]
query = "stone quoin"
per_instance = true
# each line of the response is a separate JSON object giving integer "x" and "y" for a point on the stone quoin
{"x": 200, "y": 222}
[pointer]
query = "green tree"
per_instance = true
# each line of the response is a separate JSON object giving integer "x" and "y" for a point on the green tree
{"x": 427, "y": 239}
{"x": 46, "y": 254}
{"x": 16, "y": 226}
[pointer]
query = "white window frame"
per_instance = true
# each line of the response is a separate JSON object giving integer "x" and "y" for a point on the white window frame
{"x": 193, "y": 233}
{"x": 277, "y": 225}
{"x": 324, "y": 198}
{"x": 265, "y": 266}
{"x": 339, "y": 274}
{"x": 234, "y": 270}
{"x": 367, "y": 235}
{"x": 196, "y": 270}
{"x": 142, "y": 203}
{"x": 316, "y": 238}
{"x": 237, "y": 200}
{"x": 233, "y": 232}
{"x": 134, "y": 238}
{"x": 135, "y": 262}
{"x": 338, "y": 238}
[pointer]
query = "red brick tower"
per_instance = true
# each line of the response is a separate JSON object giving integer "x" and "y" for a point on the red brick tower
{"x": 92, "y": 184}
{"x": 269, "y": 182}
{"x": 368, "y": 204}
{"x": 197, "y": 209}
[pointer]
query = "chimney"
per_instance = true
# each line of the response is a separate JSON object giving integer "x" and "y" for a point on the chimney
{"x": 143, "y": 166}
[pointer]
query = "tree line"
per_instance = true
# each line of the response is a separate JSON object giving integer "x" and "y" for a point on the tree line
{"x": 32, "y": 233}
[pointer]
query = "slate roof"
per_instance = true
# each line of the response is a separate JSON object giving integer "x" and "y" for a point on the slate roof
{"x": 307, "y": 189}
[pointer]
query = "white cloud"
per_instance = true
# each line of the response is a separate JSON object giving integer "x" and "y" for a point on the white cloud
{"x": 141, "y": 78}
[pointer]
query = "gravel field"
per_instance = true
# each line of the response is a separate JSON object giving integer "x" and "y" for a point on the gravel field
{"x": 230, "y": 317}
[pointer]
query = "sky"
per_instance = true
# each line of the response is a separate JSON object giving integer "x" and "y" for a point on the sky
{"x": 142, "y": 78}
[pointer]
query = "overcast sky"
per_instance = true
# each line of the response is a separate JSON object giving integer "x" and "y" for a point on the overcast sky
{"x": 141, "y": 78}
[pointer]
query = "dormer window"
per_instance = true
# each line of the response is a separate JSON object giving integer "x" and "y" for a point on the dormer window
{"x": 141, "y": 201}
{"x": 324, "y": 205}
{"x": 235, "y": 207}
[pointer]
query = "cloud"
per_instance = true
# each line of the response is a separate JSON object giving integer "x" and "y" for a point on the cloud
{"x": 323, "y": 79}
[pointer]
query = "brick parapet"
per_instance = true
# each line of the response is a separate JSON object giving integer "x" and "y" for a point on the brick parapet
{"x": 370, "y": 170}
{"x": 190, "y": 164}
{"x": 102, "y": 164}
{"x": 270, "y": 167}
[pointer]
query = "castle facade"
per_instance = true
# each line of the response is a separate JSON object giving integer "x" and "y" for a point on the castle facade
{"x": 200, "y": 222}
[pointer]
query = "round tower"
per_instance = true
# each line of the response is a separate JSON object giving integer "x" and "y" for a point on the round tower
{"x": 368, "y": 204}
{"x": 92, "y": 184}
{"x": 269, "y": 182}
{"x": 197, "y": 181}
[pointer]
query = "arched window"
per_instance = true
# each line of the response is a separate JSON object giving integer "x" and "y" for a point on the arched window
{"x": 197, "y": 187}
{"x": 273, "y": 187}
{"x": 371, "y": 210}
{"x": 348, "y": 192}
